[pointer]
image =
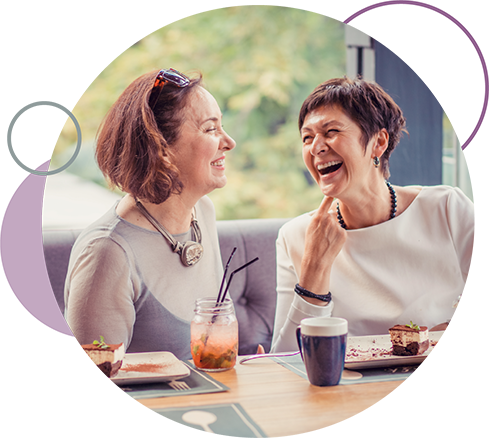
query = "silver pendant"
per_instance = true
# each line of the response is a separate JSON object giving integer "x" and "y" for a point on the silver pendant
{"x": 191, "y": 253}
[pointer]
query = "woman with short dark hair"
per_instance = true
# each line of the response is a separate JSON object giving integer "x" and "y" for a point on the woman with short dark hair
{"x": 135, "y": 274}
{"x": 373, "y": 253}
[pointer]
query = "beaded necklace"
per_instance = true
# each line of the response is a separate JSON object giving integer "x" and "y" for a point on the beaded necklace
{"x": 393, "y": 206}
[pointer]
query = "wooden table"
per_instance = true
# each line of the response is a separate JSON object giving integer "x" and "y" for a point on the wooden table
{"x": 281, "y": 402}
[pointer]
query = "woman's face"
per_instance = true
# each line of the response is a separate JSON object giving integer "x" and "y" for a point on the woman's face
{"x": 200, "y": 149}
{"x": 334, "y": 153}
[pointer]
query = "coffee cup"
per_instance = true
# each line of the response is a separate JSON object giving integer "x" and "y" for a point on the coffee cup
{"x": 322, "y": 343}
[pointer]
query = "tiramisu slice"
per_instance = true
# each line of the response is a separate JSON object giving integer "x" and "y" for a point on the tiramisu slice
{"x": 108, "y": 357}
{"x": 409, "y": 340}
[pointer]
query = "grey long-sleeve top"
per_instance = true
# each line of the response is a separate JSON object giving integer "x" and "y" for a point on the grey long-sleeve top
{"x": 125, "y": 283}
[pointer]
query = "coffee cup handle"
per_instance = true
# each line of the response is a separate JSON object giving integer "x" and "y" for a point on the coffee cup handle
{"x": 299, "y": 339}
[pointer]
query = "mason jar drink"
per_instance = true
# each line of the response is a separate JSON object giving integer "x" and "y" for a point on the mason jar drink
{"x": 214, "y": 335}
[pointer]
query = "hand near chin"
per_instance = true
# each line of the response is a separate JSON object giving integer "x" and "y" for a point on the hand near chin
{"x": 323, "y": 242}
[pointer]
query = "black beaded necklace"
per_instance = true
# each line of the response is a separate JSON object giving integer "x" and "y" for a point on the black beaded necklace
{"x": 393, "y": 206}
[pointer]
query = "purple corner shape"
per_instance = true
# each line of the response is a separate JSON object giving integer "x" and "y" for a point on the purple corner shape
{"x": 35, "y": 335}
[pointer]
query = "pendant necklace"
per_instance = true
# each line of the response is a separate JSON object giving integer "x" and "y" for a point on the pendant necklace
{"x": 190, "y": 252}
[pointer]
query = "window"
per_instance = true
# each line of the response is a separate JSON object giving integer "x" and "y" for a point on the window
{"x": 465, "y": 169}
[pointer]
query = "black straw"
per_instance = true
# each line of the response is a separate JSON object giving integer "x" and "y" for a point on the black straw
{"x": 234, "y": 272}
{"x": 224, "y": 276}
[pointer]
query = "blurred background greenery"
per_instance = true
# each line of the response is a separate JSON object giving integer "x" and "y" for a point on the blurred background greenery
{"x": 259, "y": 74}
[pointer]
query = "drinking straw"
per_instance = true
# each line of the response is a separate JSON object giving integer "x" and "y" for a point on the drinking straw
{"x": 214, "y": 317}
{"x": 224, "y": 276}
{"x": 234, "y": 272}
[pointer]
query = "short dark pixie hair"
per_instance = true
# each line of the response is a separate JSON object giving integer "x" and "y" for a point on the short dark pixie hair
{"x": 134, "y": 141}
{"x": 367, "y": 104}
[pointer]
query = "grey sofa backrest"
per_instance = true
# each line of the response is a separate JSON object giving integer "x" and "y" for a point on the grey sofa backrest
{"x": 252, "y": 290}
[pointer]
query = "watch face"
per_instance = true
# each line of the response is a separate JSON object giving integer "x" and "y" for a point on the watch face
{"x": 192, "y": 252}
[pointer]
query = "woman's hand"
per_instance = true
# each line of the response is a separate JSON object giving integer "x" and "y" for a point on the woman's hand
{"x": 324, "y": 240}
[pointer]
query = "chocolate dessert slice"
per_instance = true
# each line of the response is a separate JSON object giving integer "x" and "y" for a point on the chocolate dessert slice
{"x": 409, "y": 340}
{"x": 108, "y": 357}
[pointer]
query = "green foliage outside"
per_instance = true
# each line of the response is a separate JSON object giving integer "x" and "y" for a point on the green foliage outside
{"x": 260, "y": 63}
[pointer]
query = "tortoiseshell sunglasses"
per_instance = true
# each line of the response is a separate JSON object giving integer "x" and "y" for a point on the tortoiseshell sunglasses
{"x": 163, "y": 77}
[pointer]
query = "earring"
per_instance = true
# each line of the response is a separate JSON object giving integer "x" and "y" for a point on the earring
{"x": 376, "y": 161}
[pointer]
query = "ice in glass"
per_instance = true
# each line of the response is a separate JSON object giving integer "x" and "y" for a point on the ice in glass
{"x": 214, "y": 335}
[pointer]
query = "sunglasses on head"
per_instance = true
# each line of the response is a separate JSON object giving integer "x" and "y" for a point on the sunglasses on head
{"x": 164, "y": 76}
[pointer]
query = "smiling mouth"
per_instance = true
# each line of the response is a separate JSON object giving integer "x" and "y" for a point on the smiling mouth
{"x": 330, "y": 167}
{"x": 218, "y": 163}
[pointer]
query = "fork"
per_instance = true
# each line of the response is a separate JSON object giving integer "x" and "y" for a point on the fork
{"x": 178, "y": 385}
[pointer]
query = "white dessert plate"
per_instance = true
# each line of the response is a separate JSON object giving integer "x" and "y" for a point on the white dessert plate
{"x": 376, "y": 351}
{"x": 155, "y": 366}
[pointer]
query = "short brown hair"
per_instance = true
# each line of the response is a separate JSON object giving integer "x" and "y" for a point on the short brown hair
{"x": 133, "y": 142}
{"x": 367, "y": 104}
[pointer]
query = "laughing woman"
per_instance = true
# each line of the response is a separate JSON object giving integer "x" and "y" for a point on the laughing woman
{"x": 373, "y": 253}
{"x": 135, "y": 274}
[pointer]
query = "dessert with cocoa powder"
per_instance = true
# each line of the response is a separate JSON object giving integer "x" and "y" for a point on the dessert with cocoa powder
{"x": 108, "y": 357}
{"x": 409, "y": 339}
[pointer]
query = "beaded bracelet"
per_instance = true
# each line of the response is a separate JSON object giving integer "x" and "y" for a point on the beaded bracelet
{"x": 299, "y": 290}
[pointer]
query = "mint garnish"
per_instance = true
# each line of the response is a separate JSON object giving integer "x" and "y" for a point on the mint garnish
{"x": 101, "y": 343}
{"x": 413, "y": 326}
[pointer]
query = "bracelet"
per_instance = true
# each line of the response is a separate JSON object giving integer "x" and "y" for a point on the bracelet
{"x": 299, "y": 290}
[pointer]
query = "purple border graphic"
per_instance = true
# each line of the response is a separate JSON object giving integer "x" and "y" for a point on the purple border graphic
{"x": 36, "y": 338}
{"x": 457, "y": 33}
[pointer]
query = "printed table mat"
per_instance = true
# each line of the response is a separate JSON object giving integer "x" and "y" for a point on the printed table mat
{"x": 125, "y": 396}
{"x": 222, "y": 420}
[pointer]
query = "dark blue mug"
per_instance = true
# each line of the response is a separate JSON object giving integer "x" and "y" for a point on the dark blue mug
{"x": 322, "y": 343}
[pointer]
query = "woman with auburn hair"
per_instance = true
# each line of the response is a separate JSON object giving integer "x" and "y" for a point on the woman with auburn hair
{"x": 373, "y": 253}
{"x": 135, "y": 274}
